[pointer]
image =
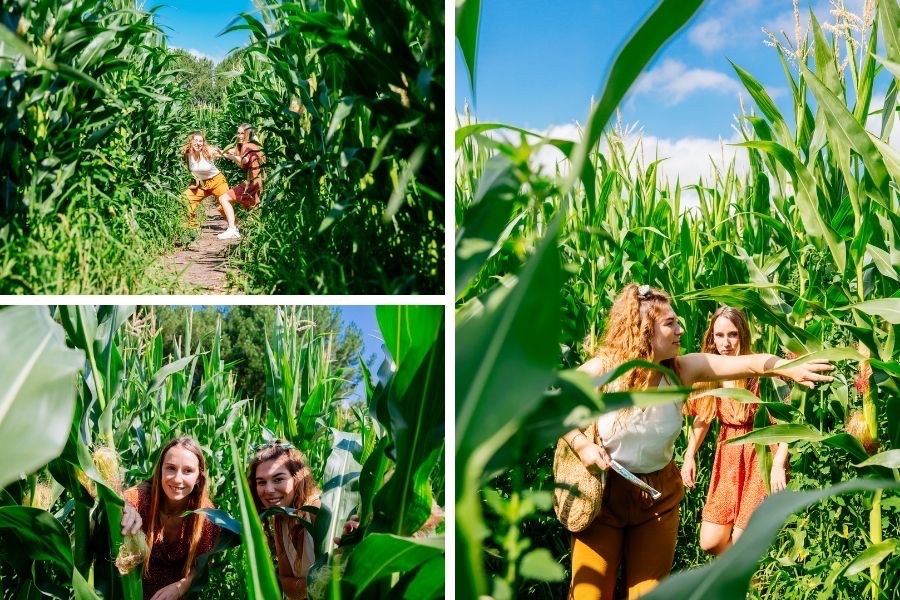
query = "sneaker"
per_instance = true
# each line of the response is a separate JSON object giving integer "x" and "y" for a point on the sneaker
{"x": 229, "y": 234}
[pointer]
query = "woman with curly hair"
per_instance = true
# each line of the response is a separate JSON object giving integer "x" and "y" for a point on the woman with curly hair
{"x": 199, "y": 157}
{"x": 633, "y": 530}
{"x": 179, "y": 484}
{"x": 278, "y": 476}
{"x": 736, "y": 486}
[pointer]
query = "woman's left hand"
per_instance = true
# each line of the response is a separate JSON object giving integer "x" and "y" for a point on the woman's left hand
{"x": 778, "y": 478}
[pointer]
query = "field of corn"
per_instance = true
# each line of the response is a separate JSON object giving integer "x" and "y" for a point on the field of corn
{"x": 807, "y": 242}
{"x": 347, "y": 98}
{"x": 90, "y": 384}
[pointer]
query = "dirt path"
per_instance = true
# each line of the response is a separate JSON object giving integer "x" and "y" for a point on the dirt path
{"x": 200, "y": 267}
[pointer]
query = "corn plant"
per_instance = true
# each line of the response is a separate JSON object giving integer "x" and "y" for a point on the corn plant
{"x": 90, "y": 109}
{"x": 62, "y": 504}
{"x": 348, "y": 97}
{"x": 805, "y": 242}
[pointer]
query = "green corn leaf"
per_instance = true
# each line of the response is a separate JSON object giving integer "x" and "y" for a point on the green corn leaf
{"x": 871, "y": 556}
{"x": 887, "y": 308}
{"x": 40, "y": 535}
{"x": 806, "y": 198}
{"x": 729, "y": 575}
{"x": 260, "y": 579}
{"x": 778, "y": 434}
{"x": 667, "y": 18}
{"x": 37, "y": 393}
{"x": 380, "y": 555}
{"x": 888, "y": 458}
{"x": 468, "y": 15}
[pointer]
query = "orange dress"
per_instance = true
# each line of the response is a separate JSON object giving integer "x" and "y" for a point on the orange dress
{"x": 736, "y": 485}
{"x": 167, "y": 559}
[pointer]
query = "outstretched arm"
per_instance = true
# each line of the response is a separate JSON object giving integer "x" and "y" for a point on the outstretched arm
{"x": 697, "y": 367}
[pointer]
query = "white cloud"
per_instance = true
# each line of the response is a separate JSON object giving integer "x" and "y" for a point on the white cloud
{"x": 673, "y": 81}
{"x": 708, "y": 35}
{"x": 685, "y": 160}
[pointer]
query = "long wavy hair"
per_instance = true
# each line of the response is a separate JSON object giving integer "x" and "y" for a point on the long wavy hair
{"x": 630, "y": 326}
{"x": 305, "y": 488}
{"x": 741, "y": 411}
{"x": 205, "y": 150}
{"x": 198, "y": 497}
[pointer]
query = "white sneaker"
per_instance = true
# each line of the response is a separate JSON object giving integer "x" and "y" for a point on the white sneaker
{"x": 229, "y": 234}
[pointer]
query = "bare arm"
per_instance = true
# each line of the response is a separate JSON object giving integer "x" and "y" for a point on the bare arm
{"x": 698, "y": 367}
{"x": 778, "y": 476}
{"x": 695, "y": 440}
{"x": 591, "y": 454}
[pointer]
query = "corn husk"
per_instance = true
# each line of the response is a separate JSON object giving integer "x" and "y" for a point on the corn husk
{"x": 858, "y": 428}
{"x": 132, "y": 552}
{"x": 134, "y": 546}
{"x": 107, "y": 462}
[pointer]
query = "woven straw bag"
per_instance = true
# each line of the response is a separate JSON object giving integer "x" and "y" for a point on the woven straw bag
{"x": 578, "y": 493}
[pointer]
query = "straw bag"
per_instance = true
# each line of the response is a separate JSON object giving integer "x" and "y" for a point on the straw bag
{"x": 578, "y": 494}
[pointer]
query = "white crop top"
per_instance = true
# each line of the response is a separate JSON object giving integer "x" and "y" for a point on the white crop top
{"x": 202, "y": 169}
{"x": 642, "y": 441}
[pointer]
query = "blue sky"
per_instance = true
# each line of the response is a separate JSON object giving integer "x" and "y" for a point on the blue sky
{"x": 540, "y": 63}
{"x": 194, "y": 25}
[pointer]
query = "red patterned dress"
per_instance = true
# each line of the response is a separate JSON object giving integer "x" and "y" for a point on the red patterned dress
{"x": 167, "y": 559}
{"x": 736, "y": 486}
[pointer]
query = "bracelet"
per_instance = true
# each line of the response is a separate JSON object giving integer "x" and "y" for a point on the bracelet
{"x": 575, "y": 437}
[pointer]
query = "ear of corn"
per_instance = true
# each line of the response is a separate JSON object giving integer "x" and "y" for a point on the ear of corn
{"x": 154, "y": 391}
{"x": 805, "y": 242}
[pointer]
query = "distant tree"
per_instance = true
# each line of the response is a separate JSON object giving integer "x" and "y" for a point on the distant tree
{"x": 244, "y": 332}
{"x": 205, "y": 80}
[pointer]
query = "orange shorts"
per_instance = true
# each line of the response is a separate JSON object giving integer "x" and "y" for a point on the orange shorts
{"x": 215, "y": 186}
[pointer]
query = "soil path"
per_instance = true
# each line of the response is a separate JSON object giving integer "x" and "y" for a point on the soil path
{"x": 200, "y": 267}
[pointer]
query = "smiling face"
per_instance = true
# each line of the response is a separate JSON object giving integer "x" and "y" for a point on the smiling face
{"x": 726, "y": 337}
{"x": 196, "y": 143}
{"x": 180, "y": 471}
{"x": 667, "y": 333}
{"x": 274, "y": 483}
{"x": 243, "y": 134}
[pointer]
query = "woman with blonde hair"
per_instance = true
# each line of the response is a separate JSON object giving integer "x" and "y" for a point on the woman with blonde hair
{"x": 633, "y": 530}
{"x": 279, "y": 477}
{"x": 736, "y": 486}
{"x": 179, "y": 483}
{"x": 199, "y": 157}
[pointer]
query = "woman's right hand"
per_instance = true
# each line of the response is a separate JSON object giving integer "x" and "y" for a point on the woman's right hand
{"x": 689, "y": 472}
{"x": 594, "y": 456}
{"x": 131, "y": 520}
{"x": 806, "y": 374}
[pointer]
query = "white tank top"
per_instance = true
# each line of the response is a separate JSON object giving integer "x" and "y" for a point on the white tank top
{"x": 202, "y": 169}
{"x": 642, "y": 441}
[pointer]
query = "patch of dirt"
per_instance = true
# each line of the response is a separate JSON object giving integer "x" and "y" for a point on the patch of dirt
{"x": 200, "y": 267}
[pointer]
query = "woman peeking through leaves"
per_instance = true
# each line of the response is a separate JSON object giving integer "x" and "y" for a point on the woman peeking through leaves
{"x": 632, "y": 529}
{"x": 179, "y": 484}
{"x": 279, "y": 477}
{"x": 736, "y": 486}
